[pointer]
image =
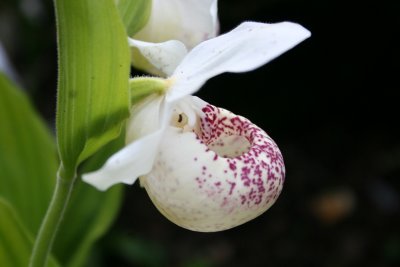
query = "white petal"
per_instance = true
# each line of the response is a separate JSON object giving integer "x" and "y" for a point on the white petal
{"x": 189, "y": 21}
{"x": 144, "y": 132}
{"x": 160, "y": 59}
{"x": 145, "y": 118}
{"x": 127, "y": 164}
{"x": 224, "y": 175}
{"x": 245, "y": 48}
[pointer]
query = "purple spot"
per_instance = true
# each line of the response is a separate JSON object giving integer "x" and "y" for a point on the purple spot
{"x": 232, "y": 166}
{"x": 232, "y": 184}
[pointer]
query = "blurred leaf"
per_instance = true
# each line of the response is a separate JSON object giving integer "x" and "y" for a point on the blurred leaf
{"x": 15, "y": 241}
{"x": 134, "y": 14}
{"x": 28, "y": 169}
{"x": 90, "y": 212}
{"x": 94, "y": 65}
{"x": 88, "y": 217}
{"x": 28, "y": 162}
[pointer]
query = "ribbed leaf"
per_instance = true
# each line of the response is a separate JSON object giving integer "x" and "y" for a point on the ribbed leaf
{"x": 134, "y": 14}
{"x": 93, "y": 77}
{"x": 28, "y": 161}
{"x": 15, "y": 241}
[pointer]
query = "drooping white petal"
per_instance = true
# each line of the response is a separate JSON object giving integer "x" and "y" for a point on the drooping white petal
{"x": 245, "y": 48}
{"x": 189, "y": 21}
{"x": 224, "y": 173}
{"x": 144, "y": 131}
{"x": 157, "y": 58}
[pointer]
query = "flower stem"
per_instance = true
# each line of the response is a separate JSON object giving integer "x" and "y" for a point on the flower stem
{"x": 51, "y": 221}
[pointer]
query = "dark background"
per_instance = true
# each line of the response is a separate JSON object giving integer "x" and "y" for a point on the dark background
{"x": 332, "y": 106}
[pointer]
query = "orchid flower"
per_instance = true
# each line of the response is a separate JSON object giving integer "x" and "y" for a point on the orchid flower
{"x": 204, "y": 168}
{"x": 188, "y": 21}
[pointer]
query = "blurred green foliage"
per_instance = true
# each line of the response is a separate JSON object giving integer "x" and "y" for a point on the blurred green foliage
{"x": 15, "y": 240}
{"x": 28, "y": 160}
{"x": 28, "y": 165}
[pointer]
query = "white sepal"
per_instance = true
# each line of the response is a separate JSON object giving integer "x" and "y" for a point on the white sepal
{"x": 245, "y": 48}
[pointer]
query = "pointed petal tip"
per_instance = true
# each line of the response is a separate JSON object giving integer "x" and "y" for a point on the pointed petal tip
{"x": 297, "y": 28}
{"x": 105, "y": 178}
{"x": 288, "y": 27}
{"x": 96, "y": 180}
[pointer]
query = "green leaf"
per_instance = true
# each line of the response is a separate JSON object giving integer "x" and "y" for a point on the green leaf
{"x": 89, "y": 214}
{"x": 28, "y": 161}
{"x": 15, "y": 241}
{"x": 94, "y": 65}
{"x": 134, "y": 14}
{"x": 88, "y": 217}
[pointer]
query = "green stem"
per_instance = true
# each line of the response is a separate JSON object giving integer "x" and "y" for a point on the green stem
{"x": 142, "y": 87}
{"x": 51, "y": 221}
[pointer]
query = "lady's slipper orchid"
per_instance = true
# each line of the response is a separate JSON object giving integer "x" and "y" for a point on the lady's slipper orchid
{"x": 214, "y": 170}
{"x": 187, "y": 21}
{"x": 205, "y": 168}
